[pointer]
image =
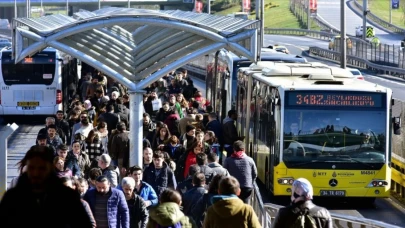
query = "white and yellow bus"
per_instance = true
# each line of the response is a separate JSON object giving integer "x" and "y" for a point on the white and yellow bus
{"x": 320, "y": 123}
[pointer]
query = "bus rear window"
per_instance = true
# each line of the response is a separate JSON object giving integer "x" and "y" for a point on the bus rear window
{"x": 34, "y": 70}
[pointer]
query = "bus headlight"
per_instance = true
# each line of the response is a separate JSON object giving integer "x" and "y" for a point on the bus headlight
{"x": 377, "y": 183}
{"x": 286, "y": 180}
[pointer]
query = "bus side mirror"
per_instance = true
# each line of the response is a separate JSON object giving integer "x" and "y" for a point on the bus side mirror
{"x": 397, "y": 125}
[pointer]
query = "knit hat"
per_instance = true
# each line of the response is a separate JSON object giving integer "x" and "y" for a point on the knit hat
{"x": 189, "y": 128}
{"x": 303, "y": 189}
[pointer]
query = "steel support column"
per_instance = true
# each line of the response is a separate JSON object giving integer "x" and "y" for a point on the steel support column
{"x": 4, "y": 134}
{"x": 136, "y": 128}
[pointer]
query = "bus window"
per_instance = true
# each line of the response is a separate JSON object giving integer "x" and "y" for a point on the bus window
{"x": 34, "y": 70}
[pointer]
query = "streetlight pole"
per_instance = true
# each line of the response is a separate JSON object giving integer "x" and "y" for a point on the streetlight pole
{"x": 99, "y": 4}
{"x": 129, "y": 3}
{"x": 261, "y": 24}
{"x": 364, "y": 19}
{"x": 67, "y": 7}
{"x": 259, "y": 34}
{"x": 308, "y": 16}
{"x": 209, "y": 6}
{"x": 390, "y": 2}
{"x": 28, "y": 5}
{"x": 343, "y": 34}
{"x": 15, "y": 8}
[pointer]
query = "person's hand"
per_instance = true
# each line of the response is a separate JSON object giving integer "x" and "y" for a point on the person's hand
{"x": 148, "y": 203}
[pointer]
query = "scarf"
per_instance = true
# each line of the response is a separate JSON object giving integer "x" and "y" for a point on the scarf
{"x": 238, "y": 154}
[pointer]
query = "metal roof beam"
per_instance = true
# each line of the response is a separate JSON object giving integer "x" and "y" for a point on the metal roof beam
{"x": 94, "y": 63}
{"x": 105, "y": 45}
{"x": 104, "y": 50}
{"x": 116, "y": 21}
{"x": 162, "y": 34}
{"x": 187, "y": 40}
{"x": 171, "y": 58}
{"x": 178, "y": 63}
{"x": 115, "y": 38}
{"x": 118, "y": 31}
{"x": 99, "y": 57}
{"x": 156, "y": 48}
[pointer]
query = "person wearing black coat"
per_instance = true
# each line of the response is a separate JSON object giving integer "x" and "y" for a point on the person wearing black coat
{"x": 110, "y": 118}
{"x": 138, "y": 214}
{"x": 40, "y": 199}
{"x": 215, "y": 126}
{"x": 302, "y": 205}
{"x": 159, "y": 175}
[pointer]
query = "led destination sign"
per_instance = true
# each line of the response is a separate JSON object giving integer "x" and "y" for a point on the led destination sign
{"x": 337, "y": 98}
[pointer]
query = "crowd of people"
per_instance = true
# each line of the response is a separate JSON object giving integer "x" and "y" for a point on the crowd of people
{"x": 185, "y": 181}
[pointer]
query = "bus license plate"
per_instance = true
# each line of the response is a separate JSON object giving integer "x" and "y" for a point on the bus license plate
{"x": 338, "y": 193}
{"x": 27, "y": 103}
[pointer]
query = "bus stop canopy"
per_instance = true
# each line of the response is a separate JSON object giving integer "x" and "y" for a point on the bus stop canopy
{"x": 135, "y": 47}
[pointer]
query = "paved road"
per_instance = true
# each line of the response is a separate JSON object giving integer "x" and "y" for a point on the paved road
{"x": 385, "y": 210}
{"x": 329, "y": 10}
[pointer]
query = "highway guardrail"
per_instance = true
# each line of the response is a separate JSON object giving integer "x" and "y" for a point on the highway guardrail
{"x": 358, "y": 62}
{"x": 380, "y": 21}
{"x": 383, "y": 54}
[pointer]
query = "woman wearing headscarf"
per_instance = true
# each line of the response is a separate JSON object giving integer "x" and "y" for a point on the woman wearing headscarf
{"x": 303, "y": 212}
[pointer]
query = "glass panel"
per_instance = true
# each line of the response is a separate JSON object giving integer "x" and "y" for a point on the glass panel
{"x": 38, "y": 69}
{"x": 355, "y": 137}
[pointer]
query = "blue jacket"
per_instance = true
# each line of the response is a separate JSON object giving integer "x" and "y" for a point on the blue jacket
{"x": 117, "y": 207}
{"x": 146, "y": 193}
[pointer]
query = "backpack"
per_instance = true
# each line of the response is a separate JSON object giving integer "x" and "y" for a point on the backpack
{"x": 304, "y": 220}
{"x": 177, "y": 225}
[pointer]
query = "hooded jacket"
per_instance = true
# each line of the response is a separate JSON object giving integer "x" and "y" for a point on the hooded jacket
{"x": 230, "y": 211}
{"x": 167, "y": 214}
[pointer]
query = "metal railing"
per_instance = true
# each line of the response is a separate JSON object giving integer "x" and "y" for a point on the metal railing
{"x": 258, "y": 206}
{"x": 338, "y": 220}
{"x": 358, "y": 62}
{"x": 379, "y": 20}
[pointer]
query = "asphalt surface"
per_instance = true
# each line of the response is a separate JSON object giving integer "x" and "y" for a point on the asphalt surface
{"x": 385, "y": 210}
{"x": 329, "y": 11}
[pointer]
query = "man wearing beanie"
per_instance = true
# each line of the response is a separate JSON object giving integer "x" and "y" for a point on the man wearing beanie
{"x": 189, "y": 137}
{"x": 302, "y": 212}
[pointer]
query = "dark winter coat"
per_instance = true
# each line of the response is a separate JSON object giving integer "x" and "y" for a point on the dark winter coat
{"x": 190, "y": 199}
{"x": 19, "y": 207}
{"x": 138, "y": 214}
{"x": 287, "y": 216}
{"x": 164, "y": 180}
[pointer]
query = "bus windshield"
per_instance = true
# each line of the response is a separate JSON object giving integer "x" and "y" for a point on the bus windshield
{"x": 325, "y": 136}
{"x": 38, "y": 69}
